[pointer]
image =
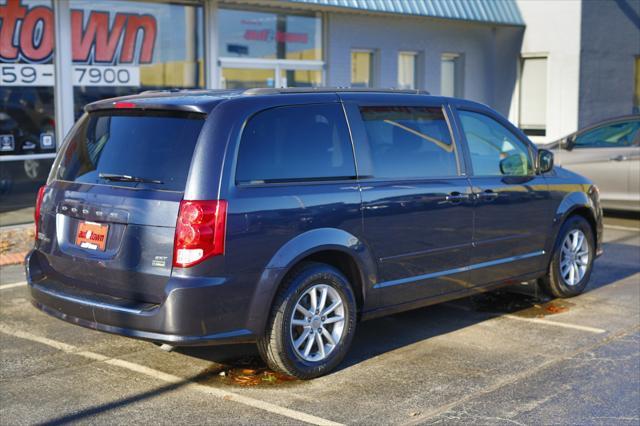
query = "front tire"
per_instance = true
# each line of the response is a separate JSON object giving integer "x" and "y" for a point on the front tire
{"x": 572, "y": 261}
{"x": 312, "y": 322}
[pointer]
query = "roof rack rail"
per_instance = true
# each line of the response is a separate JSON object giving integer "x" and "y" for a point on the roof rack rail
{"x": 189, "y": 90}
{"x": 274, "y": 91}
{"x": 167, "y": 90}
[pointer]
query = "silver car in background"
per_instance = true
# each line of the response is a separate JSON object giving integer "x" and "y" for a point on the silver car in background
{"x": 608, "y": 153}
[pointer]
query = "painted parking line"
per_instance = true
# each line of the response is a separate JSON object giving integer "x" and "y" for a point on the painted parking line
{"x": 170, "y": 378}
{"x": 534, "y": 320}
{"x": 556, "y": 324}
{"x": 12, "y": 285}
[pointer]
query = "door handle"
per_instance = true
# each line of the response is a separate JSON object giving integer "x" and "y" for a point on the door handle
{"x": 456, "y": 197}
{"x": 488, "y": 194}
{"x": 619, "y": 158}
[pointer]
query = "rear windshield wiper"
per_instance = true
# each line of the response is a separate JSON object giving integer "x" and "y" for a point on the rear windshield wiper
{"x": 126, "y": 178}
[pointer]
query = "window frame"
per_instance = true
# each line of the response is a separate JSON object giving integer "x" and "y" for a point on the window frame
{"x": 293, "y": 181}
{"x": 531, "y": 149}
{"x": 362, "y": 148}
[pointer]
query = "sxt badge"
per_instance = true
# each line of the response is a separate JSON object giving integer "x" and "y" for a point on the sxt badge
{"x": 160, "y": 261}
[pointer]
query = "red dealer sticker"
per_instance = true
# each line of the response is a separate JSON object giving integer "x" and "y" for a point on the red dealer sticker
{"x": 92, "y": 235}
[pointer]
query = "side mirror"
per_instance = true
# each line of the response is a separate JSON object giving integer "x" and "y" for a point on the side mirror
{"x": 568, "y": 143}
{"x": 514, "y": 165}
{"x": 545, "y": 161}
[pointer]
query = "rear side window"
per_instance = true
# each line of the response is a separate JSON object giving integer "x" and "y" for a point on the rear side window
{"x": 147, "y": 147}
{"x": 409, "y": 142}
{"x": 296, "y": 143}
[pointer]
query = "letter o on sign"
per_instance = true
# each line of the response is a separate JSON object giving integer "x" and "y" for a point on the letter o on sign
{"x": 36, "y": 35}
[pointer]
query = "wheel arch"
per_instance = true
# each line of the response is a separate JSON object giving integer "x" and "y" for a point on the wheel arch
{"x": 580, "y": 204}
{"x": 334, "y": 247}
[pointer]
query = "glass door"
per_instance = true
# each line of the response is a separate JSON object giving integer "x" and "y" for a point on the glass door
{"x": 300, "y": 78}
{"x": 246, "y": 73}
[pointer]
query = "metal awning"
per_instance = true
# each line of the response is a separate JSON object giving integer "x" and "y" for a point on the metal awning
{"x": 503, "y": 12}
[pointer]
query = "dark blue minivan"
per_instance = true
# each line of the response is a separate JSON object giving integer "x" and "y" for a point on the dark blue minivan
{"x": 284, "y": 217}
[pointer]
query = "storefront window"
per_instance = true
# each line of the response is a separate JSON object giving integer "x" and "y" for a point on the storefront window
{"x": 246, "y": 78}
{"x": 301, "y": 78}
{"x": 261, "y": 49}
{"x": 268, "y": 35}
{"x": 26, "y": 103}
{"x": 125, "y": 47}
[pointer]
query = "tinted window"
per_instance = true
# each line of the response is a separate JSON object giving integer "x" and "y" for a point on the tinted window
{"x": 409, "y": 142}
{"x": 306, "y": 142}
{"x": 495, "y": 151}
{"x": 157, "y": 147}
{"x": 613, "y": 135}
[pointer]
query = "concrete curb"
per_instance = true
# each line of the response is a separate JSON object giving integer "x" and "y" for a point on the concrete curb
{"x": 16, "y": 226}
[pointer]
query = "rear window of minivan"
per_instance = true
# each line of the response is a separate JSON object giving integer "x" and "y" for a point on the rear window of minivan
{"x": 154, "y": 147}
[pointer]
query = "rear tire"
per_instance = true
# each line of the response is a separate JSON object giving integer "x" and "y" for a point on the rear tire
{"x": 572, "y": 260}
{"x": 312, "y": 322}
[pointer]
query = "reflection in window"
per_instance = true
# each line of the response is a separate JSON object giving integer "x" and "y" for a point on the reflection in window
{"x": 409, "y": 142}
{"x": 264, "y": 35}
{"x": 238, "y": 78}
{"x": 27, "y": 120}
{"x": 495, "y": 151}
{"x": 122, "y": 48}
{"x": 301, "y": 78}
{"x": 26, "y": 79}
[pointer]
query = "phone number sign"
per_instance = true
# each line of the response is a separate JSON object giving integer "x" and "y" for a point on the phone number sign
{"x": 83, "y": 75}
{"x": 107, "y": 47}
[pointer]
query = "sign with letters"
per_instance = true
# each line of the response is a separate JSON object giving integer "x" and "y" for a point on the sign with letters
{"x": 107, "y": 47}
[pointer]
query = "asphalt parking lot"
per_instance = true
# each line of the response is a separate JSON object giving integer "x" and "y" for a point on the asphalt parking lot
{"x": 501, "y": 358}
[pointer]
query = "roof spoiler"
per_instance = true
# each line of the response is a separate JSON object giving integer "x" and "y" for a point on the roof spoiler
{"x": 144, "y": 105}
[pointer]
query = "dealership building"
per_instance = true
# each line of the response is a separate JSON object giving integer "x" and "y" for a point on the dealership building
{"x": 58, "y": 55}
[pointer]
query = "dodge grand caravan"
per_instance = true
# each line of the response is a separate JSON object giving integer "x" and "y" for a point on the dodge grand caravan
{"x": 284, "y": 217}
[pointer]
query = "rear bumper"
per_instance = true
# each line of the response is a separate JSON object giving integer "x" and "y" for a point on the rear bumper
{"x": 189, "y": 315}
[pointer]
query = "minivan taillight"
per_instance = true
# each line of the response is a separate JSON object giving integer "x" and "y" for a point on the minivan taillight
{"x": 36, "y": 214}
{"x": 200, "y": 231}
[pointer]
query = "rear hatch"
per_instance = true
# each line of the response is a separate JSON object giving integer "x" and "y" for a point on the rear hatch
{"x": 113, "y": 197}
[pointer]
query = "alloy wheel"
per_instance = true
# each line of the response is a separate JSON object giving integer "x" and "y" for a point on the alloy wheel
{"x": 317, "y": 323}
{"x": 574, "y": 257}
